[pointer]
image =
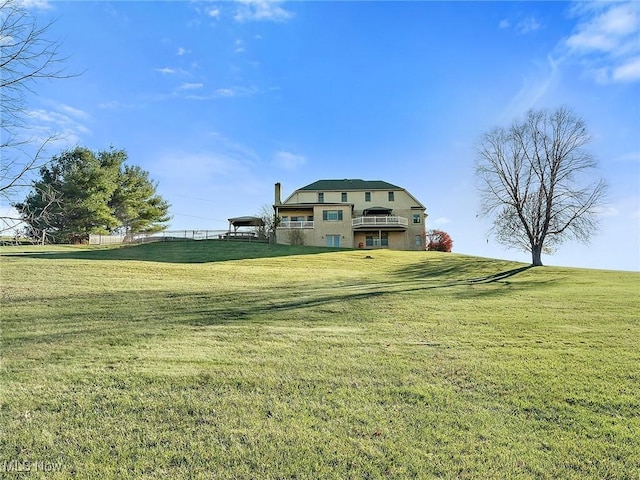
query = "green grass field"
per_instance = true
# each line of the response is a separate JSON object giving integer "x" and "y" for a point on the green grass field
{"x": 222, "y": 360}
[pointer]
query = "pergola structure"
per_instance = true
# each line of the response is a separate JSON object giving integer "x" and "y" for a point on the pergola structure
{"x": 238, "y": 222}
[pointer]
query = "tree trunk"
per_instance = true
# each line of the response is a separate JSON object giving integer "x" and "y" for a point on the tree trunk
{"x": 536, "y": 255}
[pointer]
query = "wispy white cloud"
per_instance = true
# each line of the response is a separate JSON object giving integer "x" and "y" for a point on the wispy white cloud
{"x": 236, "y": 92}
{"x": 183, "y": 51}
{"x": 115, "y": 105}
{"x": 62, "y": 125}
{"x": 225, "y": 92}
{"x": 166, "y": 70}
{"x": 213, "y": 12}
{"x": 628, "y": 71}
{"x": 262, "y": 10}
{"x": 191, "y": 86}
{"x": 605, "y": 30}
{"x": 35, "y": 4}
{"x": 172, "y": 71}
{"x": 49, "y": 116}
{"x": 534, "y": 87}
{"x": 195, "y": 91}
{"x": 528, "y": 25}
{"x": 288, "y": 161}
{"x": 75, "y": 112}
{"x": 605, "y": 41}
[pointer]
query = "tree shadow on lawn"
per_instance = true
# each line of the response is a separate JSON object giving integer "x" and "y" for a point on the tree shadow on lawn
{"x": 201, "y": 251}
{"x": 475, "y": 274}
{"x": 462, "y": 268}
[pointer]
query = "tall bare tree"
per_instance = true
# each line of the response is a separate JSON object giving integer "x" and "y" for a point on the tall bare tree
{"x": 26, "y": 57}
{"x": 536, "y": 181}
{"x": 270, "y": 222}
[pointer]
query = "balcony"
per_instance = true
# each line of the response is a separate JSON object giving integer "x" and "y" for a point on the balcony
{"x": 390, "y": 221}
{"x": 296, "y": 224}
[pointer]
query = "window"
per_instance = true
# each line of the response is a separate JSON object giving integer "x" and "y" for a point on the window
{"x": 333, "y": 240}
{"x": 332, "y": 215}
{"x": 367, "y": 196}
{"x": 391, "y": 195}
{"x": 416, "y": 218}
{"x": 344, "y": 196}
{"x": 418, "y": 240}
{"x": 320, "y": 197}
{"x": 285, "y": 218}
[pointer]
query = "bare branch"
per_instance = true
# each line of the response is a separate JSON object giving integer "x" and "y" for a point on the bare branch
{"x": 26, "y": 57}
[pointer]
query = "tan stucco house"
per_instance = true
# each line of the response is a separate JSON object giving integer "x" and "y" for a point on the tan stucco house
{"x": 351, "y": 213}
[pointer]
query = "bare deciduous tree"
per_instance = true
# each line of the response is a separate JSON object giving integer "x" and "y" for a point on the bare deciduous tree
{"x": 535, "y": 182}
{"x": 26, "y": 56}
{"x": 270, "y": 222}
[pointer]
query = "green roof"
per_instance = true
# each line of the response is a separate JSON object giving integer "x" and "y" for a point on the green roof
{"x": 350, "y": 184}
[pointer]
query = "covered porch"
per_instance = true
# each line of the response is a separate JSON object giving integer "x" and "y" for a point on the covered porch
{"x": 381, "y": 218}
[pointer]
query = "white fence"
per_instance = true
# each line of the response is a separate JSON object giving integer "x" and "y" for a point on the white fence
{"x": 106, "y": 239}
{"x": 166, "y": 236}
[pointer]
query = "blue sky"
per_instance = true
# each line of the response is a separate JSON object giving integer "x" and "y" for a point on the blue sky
{"x": 220, "y": 100}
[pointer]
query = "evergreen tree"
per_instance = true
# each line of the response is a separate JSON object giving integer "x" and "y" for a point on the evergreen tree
{"x": 136, "y": 205}
{"x": 81, "y": 192}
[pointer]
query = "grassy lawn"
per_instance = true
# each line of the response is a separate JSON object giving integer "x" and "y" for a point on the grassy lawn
{"x": 222, "y": 360}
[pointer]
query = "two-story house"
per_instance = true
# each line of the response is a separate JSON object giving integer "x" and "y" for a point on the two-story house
{"x": 351, "y": 213}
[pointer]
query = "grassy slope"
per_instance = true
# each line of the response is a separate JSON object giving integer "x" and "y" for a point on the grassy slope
{"x": 184, "y": 360}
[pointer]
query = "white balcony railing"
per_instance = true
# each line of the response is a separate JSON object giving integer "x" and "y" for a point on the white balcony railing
{"x": 297, "y": 224}
{"x": 389, "y": 221}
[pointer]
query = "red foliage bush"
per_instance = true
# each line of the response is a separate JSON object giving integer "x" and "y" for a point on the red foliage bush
{"x": 438, "y": 241}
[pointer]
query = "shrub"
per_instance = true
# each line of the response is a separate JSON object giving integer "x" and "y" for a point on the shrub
{"x": 296, "y": 237}
{"x": 438, "y": 241}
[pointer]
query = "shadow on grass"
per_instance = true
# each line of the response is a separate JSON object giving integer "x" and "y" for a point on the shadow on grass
{"x": 202, "y": 251}
{"x": 156, "y": 312}
{"x": 497, "y": 277}
{"x": 460, "y": 272}
{"x": 129, "y": 317}
{"x": 462, "y": 269}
